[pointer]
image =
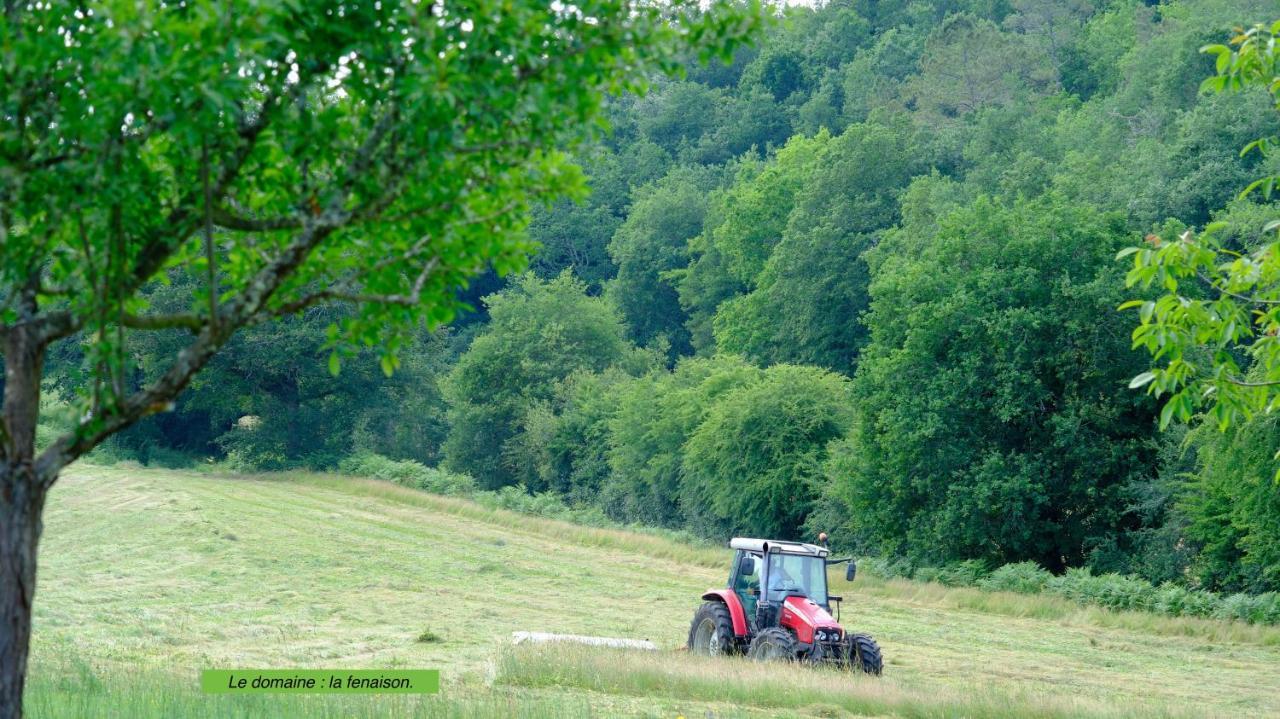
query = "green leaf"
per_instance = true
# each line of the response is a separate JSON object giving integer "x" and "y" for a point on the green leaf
{"x": 335, "y": 364}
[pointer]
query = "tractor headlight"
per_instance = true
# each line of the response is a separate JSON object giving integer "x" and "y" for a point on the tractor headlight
{"x": 827, "y": 635}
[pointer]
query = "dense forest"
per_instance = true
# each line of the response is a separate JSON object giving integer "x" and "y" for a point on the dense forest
{"x": 862, "y": 279}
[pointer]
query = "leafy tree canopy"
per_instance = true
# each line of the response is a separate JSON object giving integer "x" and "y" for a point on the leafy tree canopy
{"x": 989, "y": 422}
{"x": 540, "y": 332}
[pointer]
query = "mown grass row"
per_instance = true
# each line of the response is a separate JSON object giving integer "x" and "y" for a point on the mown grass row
{"x": 812, "y": 690}
{"x": 650, "y": 544}
{"x": 1019, "y": 590}
{"x": 871, "y": 578}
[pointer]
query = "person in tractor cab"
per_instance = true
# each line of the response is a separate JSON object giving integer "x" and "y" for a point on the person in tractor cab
{"x": 780, "y": 581}
{"x": 747, "y": 583}
{"x": 790, "y": 574}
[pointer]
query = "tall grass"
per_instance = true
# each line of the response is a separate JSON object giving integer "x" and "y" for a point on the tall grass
{"x": 816, "y": 690}
{"x": 1109, "y": 591}
{"x": 1049, "y": 607}
{"x": 71, "y": 690}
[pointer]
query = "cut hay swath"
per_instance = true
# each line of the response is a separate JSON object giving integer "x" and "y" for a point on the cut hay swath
{"x": 546, "y": 638}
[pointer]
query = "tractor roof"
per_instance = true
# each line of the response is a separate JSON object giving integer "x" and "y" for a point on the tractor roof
{"x": 777, "y": 546}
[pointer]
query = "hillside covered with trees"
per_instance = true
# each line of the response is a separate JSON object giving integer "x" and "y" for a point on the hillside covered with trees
{"x": 861, "y": 279}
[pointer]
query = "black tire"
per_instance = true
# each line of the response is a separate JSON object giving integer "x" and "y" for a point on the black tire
{"x": 864, "y": 654}
{"x": 711, "y": 632}
{"x": 772, "y": 645}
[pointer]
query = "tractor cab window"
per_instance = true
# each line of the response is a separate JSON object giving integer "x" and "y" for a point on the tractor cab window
{"x": 791, "y": 574}
{"x": 746, "y": 581}
{"x": 746, "y": 573}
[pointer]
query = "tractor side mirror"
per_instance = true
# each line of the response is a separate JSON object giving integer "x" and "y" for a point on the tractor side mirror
{"x": 851, "y": 571}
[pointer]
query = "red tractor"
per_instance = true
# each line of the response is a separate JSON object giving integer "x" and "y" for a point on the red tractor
{"x": 776, "y": 607}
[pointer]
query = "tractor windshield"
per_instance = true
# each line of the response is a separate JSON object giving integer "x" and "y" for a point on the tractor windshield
{"x": 797, "y": 574}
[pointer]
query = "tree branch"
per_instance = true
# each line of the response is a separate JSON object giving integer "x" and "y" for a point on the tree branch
{"x": 346, "y": 292}
{"x": 231, "y": 221}
{"x": 1223, "y": 291}
{"x": 213, "y": 333}
{"x": 1244, "y": 383}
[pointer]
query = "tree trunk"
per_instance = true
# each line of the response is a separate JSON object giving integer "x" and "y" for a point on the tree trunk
{"x": 21, "y": 502}
{"x": 22, "y": 495}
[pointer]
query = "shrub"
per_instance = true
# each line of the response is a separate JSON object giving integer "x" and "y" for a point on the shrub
{"x": 1251, "y": 608}
{"x": 1179, "y": 601}
{"x": 1200, "y": 603}
{"x": 963, "y": 574}
{"x": 518, "y": 499}
{"x": 1112, "y": 591}
{"x": 408, "y": 473}
{"x": 1022, "y": 577}
{"x": 898, "y": 568}
{"x": 927, "y": 574}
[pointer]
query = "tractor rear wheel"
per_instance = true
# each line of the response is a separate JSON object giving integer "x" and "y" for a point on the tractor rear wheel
{"x": 773, "y": 644}
{"x": 864, "y": 654}
{"x": 711, "y": 632}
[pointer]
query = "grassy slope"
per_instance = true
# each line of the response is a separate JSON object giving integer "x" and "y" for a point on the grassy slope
{"x": 159, "y": 574}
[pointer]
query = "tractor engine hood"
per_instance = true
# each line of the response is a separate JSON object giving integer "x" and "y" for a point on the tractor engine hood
{"x": 805, "y": 617}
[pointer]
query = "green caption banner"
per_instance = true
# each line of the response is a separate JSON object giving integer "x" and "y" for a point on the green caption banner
{"x": 328, "y": 681}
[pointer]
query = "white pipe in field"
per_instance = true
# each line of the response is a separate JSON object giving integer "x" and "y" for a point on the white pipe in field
{"x": 544, "y": 637}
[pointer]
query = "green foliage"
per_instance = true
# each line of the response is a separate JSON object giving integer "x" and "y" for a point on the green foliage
{"x": 296, "y": 155}
{"x": 1020, "y": 577}
{"x": 1178, "y": 601}
{"x": 755, "y": 463}
{"x": 655, "y": 417}
{"x": 408, "y": 473}
{"x": 813, "y": 286}
{"x": 1233, "y": 506}
{"x": 1215, "y": 346}
{"x": 563, "y": 442}
{"x": 652, "y": 242}
{"x": 924, "y": 196}
{"x": 573, "y": 235}
{"x": 754, "y": 210}
{"x": 57, "y": 417}
{"x": 1112, "y": 591}
{"x": 741, "y": 230}
{"x": 990, "y": 427}
{"x": 970, "y": 65}
{"x": 540, "y": 332}
{"x": 956, "y": 574}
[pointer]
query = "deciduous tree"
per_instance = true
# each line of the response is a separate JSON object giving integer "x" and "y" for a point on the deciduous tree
{"x": 284, "y": 154}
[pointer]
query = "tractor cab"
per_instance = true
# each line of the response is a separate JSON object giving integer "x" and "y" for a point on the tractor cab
{"x": 776, "y": 605}
{"x": 767, "y": 573}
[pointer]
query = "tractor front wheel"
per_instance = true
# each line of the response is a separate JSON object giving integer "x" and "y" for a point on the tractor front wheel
{"x": 773, "y": 644}
{"x": 711, "y": 632}
{"x": 863, "y": 653}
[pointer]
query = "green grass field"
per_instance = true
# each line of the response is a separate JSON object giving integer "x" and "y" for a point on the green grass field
{"x": 147, "y": 576}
